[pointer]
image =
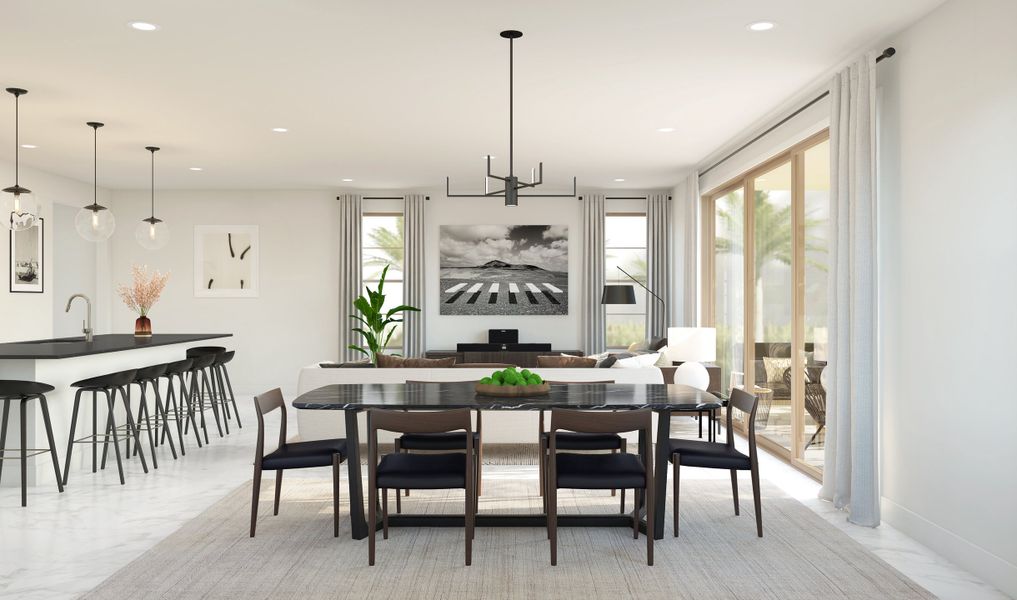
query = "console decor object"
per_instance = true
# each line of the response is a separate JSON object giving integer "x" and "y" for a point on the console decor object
{"x": 504, "y": 270}
{"x": 152, "y": 233}
{"x": 143, "y": 293}
{"x": 690, "y": 347}
{"x": 226, "y": 261}
{"x": 20, "y": 209}
{"x": 511, "y": 183}
{"x": 27, "y": 266}
{"x": 511, "y": 383}
{"x": 95, "y": 222}
{"x": 375, "y": 324}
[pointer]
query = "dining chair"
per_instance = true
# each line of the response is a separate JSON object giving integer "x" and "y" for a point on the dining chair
{"x": 438, "y": 442}
{"x": 292, "y": 455}
{"x": 600, "y": 471}
{"x": 717, "y": 455}
{"x": 402, "y": 470}
{"x": 578, "y": 441}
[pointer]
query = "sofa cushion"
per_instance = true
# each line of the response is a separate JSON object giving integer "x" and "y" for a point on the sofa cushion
{"x": 657, "y": 344}
{"x": 566, "y": 362}
{"x": 607, "y": 362}
{"x": 388, "y": 361}
{"x": 360, "y": 364}
{"x": 482, "y": 366}
{"x": 638, "y": 361}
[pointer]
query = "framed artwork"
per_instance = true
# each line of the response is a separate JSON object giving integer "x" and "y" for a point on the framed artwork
{"x": 226, "y": 261}
{"x": 27, "y": 260}
{"x": 504, "y": 270}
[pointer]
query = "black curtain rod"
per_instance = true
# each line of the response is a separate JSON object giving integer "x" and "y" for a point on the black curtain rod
{"x": 886, "y": 54}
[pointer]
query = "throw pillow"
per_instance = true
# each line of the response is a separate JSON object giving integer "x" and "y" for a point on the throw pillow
{"x": 607, "y": 362}
{"x": 639, "y": 361}
{"x": 637, "y": 347}
{"x": 657, "y": 344}
{"x": 388, "y": 361}
{"x": 775, "y": 368}
{"x": 566, "y": 362}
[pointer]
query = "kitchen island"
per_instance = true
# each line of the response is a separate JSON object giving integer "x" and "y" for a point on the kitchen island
{"x": 60, "y": 362}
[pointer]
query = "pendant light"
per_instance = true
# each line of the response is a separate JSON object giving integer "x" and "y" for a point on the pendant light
{"x": 152, "y": 233}
{"x": 20, "y": 208}
{"x": 95, "y": 222}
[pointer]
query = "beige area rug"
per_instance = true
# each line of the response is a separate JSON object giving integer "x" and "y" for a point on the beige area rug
{"x": 718, "y": 555}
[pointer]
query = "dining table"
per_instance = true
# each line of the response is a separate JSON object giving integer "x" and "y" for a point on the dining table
{"x": 662, "y": 399}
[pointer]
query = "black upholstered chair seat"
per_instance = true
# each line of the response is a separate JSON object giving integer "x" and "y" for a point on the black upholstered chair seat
{"x": 15, "y": 389}
{"x": 121, "y": 378}
{"x": 568, "y": 440}
{"x": 437, "y": 441}
{"x": 599, "y": 471}
{"x": 422, "y": 471}
{"x": 695, "y": 453}
{"x": 299, "y": 455}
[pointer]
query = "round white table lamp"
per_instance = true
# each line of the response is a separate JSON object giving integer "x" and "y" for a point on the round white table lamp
{"x": 692, "y": 374}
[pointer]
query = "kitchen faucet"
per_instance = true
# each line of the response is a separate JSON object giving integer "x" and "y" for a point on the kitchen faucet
{"x": 86, "y": 326}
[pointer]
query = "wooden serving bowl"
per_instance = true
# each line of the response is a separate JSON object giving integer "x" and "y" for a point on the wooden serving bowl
{"x": 513, "y": 391}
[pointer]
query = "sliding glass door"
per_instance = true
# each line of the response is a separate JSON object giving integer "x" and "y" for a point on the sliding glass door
{"x": 765, "y": 291}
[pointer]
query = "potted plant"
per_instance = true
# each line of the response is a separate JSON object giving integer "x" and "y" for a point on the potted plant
{"x": 376, "y": 325}
{"x": 141, "y": 295}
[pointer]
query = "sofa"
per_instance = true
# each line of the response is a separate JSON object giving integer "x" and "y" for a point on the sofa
{"x": 502, "y": 427}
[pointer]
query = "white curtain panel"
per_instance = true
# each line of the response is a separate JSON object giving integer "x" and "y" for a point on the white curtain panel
{"x": 851, "y": 475}
{"x": 413, "y": 274}
{"x": 593, "y": 319}
{"x": 350, "y": 219}
{"x": 690, "y": 205}
{"x": 658, "y": 263}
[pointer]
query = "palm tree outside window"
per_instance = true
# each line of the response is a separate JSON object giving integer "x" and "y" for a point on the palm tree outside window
{"x": 382, "y": 243}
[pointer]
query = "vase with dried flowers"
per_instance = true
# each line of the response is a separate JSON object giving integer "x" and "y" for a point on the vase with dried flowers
{"x": 141, "y": 295}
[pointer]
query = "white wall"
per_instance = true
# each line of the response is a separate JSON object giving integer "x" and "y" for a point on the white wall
{"x": 948, "y": 260}
{"x": 75, "y": 259}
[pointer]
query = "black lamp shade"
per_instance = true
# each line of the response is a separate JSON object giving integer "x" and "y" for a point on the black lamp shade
{"x": 618, "y": 294}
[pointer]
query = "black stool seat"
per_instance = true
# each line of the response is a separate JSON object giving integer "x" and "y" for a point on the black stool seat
{"x": 202, "y": 361}
{"x": 422, "y": 471}
{"x": 298, "y": 455}
{"x": 118, "y": 379}
{"x": 437, "y": 441}
{"x": 585, "y": 441}
{"x": 16, "y": 389}
{"x": 202, "y": 350}
{"x": 225, "y": 357}
{"x": 714, "y": 455}
{"x": 599, "y": 471}
{"x": 178, "y": 367}
{"x": 153, "y": 372}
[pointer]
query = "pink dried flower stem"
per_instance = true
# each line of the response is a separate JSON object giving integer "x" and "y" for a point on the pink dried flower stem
{"x": 145, "y": 290}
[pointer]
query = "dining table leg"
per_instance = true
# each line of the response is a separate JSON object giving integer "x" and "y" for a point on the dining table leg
{"x": 660, "y": 474}
{"x": 357, "y": 521}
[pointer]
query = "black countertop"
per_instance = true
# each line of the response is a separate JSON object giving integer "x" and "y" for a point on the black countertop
{"x": 656, "y": 396}
{"x": 101, "y": 344}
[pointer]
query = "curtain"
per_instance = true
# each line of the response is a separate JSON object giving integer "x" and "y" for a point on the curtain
{"x": 593, "y": 322}
{"x": 350, "y": 266}
{"x": 850, "y": 474}
{"x": 658, "y": 264}
{"x": 413, "y": 274}
{"x": 690, "y": 205}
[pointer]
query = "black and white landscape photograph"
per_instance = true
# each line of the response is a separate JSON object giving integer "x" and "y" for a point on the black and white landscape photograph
{"x": 504, "y": 269}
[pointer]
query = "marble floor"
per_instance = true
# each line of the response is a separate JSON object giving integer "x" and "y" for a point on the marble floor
{"x": 62, "y": 545}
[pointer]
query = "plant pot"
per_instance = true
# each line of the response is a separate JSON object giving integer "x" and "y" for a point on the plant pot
{"x": 143, "y": 327}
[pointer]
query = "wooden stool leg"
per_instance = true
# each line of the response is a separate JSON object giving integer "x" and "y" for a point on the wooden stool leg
{"x": 52, "y": 443}
{"x": 255, "y": 495}
{"x": 70, "y": 439}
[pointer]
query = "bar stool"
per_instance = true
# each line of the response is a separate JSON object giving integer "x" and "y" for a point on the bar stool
{"x": 107, "y": 385}
{"x": 179, "y": 412}
{"x": 200, "y": 389}
{"x": 143, "y": 378}
{"x": 24, "y": 391}
{"x": 219, "y": 370}
{"x": 217, "y": 392}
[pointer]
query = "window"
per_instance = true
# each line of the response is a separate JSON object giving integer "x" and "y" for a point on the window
{"x": 766, "y": 261}
{"x": 625, "y": 247}
{"x": 382, "y": 245}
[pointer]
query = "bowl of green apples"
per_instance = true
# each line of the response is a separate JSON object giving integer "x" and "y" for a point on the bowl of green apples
{"x": 511, "y": 383}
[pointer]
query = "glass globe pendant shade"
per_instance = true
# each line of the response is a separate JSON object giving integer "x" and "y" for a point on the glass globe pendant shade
{"x": 152, "y": 234}
{"x": 95, "y": 223}
{"x": 20, "y": 208}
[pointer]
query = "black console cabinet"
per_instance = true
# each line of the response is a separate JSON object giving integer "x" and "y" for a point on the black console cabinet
{"x": 519, "y": 358}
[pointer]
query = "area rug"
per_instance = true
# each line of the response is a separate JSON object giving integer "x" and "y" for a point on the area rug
{"x": 718, "y": 555}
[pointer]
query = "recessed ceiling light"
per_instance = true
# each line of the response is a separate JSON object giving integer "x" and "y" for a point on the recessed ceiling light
{"x": 29, "y": 146}
{"x": 666, "y": 129}
{"x": 197, "y": 169}
{"x": 347, "y": 179}
{"x": 761, "y": 26}
{"x": 280, "y": 129}
{"x": 618, "y": 179}
{"x": 143, "y": 26}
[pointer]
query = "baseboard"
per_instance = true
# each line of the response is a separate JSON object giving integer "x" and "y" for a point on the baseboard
{"x": 993, "y": 569}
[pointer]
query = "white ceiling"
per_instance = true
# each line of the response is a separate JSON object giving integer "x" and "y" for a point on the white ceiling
{"x": 400, "y": 93}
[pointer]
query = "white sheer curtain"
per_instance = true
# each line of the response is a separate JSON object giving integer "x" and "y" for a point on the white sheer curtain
{"x": 413, "y": 274}
{"x": 350, "y": 223}
{"x": 658, "y": 264}
{"x": 593, "y": 315}
{"x": 686, "y": 204}
{"x": 850, "y": 473}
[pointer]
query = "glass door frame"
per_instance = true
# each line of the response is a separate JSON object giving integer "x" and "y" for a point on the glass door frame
{"x": 795, "y": 155}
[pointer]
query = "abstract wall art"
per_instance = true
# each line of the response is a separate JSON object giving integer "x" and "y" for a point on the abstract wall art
{"x": 226, "y": 261}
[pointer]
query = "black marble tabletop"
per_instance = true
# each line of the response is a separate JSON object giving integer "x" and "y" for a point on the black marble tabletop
{"x": 588, "y": 396}
{"x": 101, "y": 344}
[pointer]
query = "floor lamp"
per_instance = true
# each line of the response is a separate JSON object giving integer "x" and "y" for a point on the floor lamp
{"x": 626, "y": 294}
